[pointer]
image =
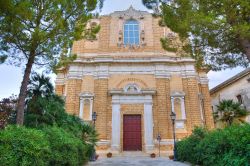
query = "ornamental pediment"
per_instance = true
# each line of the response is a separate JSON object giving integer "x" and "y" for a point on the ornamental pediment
{"x": 130, "y": 13}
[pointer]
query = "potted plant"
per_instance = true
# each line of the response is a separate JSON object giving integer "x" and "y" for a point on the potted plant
{"x": 96, "y": 156}
{"x": 171, "y": 157}
{"x": 152, "y": 155}
{"x": 109, "y": 154}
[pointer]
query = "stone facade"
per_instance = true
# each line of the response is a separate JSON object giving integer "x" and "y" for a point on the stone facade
{"x": 114, "y": 79}
{"x": 236, "y": 88}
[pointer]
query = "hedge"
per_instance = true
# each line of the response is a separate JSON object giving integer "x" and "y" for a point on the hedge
{"x": 49, "y": 146}
{"x": 229, "y": 146}
{"x": 23, "y": 146}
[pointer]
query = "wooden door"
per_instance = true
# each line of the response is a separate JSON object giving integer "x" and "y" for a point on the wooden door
{"x": 132, "y": 133}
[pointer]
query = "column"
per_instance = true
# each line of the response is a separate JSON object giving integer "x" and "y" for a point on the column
{"x": 91, "y": 109}
{"x": 81, "y": 108}
{"x": 116, "y": 122}
{"x": 172, "y": 104}
{"x": 148, "y": 126}
{"x": 183, "y": 111}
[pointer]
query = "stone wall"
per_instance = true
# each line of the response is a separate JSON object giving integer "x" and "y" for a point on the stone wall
{"x": 72, "y": 102}
{"x": 100, "y": 106}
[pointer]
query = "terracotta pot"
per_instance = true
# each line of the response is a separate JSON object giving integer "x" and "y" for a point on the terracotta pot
{"x": 152, "y": 155}
{"x": 96, "y": 156}
{"x": 171, "y": 157}
{"x": 109, "y": 155}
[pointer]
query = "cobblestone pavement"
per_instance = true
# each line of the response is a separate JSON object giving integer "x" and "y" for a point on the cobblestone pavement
{"x": 136, "y": 161}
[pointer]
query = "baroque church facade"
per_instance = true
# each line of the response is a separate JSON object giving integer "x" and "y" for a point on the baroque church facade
{"x": 133, "y": 84}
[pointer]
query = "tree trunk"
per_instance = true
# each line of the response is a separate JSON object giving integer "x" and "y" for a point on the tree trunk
{"x": 23, "y": 90}
{"x": 246, "y": 46}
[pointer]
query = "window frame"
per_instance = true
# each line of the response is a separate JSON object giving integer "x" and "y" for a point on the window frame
{"x": 131, "y": 23}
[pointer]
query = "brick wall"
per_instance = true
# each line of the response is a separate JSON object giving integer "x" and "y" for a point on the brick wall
{"x": 100, "y": 106}
{"x": 190, "y": 87}
{"x": 72, "y": 103}
{"x": 208, "y": 115}
{"x": 59, "y": 90}
{"x": 163, "y": 109}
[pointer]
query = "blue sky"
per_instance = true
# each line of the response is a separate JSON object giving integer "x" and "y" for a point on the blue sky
{"x": 11, "y": 76}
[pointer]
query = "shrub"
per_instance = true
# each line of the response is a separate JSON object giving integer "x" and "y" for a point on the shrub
{"x": 65, "y": 147}
{"x": 50, "y": 146}
{"x": 45, "y": 111}
{"x": 49, "y": 111}
{"x": 187, "y": 148}
{"x": 23, "y": 146}
{"x": 229, "y": 146}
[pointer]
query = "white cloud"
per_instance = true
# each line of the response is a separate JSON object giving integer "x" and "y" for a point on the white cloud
{"x": 215, "y": 78}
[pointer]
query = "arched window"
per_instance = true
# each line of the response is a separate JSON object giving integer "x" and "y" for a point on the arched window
{"x": 131, "y": 32}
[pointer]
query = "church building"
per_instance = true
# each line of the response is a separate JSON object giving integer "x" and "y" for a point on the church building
{"x": 133, "y": 84}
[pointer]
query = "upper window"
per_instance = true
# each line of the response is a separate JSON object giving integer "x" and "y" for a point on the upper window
{"x": 131, "y": 32}
{"x": 239, "y": 98}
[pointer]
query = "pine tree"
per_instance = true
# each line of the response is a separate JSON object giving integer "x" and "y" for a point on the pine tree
{"x": 218, "y": 30}
{"x": 37, "y": 31}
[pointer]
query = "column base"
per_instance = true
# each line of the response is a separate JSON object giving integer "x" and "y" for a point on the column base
{"x": 149, "y": 148}
{"x": 115, "y": 148}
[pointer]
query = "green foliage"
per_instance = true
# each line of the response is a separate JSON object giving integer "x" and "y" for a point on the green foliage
{"x": 63, "y": 61}
{"x": 229, "y": 146}
{"x": 37, "y": 32}
{"x": 187, "y": 148}
{"x": 50, "y": 111}
{"x": 49, "y": 146}
{"x": 39, "y": 85}
{"x": 219, "y": 30}
{"x": 166, "y": 44}
{"x": 66, "y": 149}
{"x": 23, "y": 146}
{"x": 45, "y": 111}
{"x": 66, "y": 139}
{"x": 2, "y": 58}
{"x": 42, "y": 28}
{"x": 8, "y": 110}
{"x": 229, "y": 111}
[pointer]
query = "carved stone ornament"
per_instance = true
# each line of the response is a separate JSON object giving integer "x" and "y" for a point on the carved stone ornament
{"x": 130, "y": 13}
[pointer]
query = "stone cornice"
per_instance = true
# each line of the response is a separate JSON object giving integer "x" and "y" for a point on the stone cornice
{"x": 142, "y": 92}
{"x": 134, "y": 60}
{"x": 127, "y": 54}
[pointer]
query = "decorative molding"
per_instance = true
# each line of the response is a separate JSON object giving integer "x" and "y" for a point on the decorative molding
{"x": 180, "y": 123}
{"x": 131, "y": 99}
{"x": 102, "y": 68}
{"x": 176, "y": 94}
{"x": 103, "y": 142}
{"x": 179, "y": 95}
{"x": 136, "y": 93}
{"x": 104, "y": 71}
{"x": 132, "y": 88}
{"x": 83, "y": 97}
{"x": 203, "y": 80}
{"x": 86, "y": 95}
{"x": 135, "y": 59}
{"x": 130, "y": 13}
{"x": 131, "y": 80}
{"x": 60, "y": 81}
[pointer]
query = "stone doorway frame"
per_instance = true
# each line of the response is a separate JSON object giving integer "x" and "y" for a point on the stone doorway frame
{"x": 136, "y": 97}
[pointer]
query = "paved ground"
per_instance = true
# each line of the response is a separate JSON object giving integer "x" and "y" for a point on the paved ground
{"x": 135, "y": 161}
